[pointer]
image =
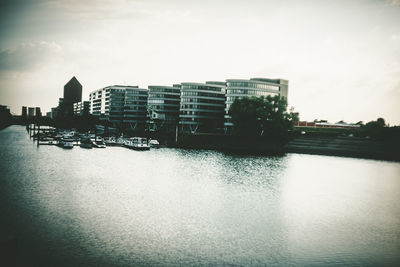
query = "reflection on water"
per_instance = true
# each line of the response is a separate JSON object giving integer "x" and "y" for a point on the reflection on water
{"x": 169, "y": 206}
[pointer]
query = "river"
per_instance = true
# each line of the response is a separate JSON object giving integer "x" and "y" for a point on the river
{"x": 168, "y": 207}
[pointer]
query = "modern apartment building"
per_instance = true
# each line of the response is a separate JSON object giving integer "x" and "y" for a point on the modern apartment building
{"x": 195, "y": 107}
{"x": 202, "y": 106}
{"x": 135, "y": 108}
{"x": 238, "y": 88}
{"x": 163, "y": 106}
{"x": 120, "y": 105}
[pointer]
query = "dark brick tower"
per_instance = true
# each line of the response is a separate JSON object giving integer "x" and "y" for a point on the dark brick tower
{"x": 72, "y": 92}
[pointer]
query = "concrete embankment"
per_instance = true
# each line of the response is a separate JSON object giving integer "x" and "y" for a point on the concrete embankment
{"x": 344, "y": 146}
{"x": 314, "y": 143}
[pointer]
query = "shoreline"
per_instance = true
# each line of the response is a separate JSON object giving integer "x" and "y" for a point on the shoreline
{"x": 327, "y": 145}
{"x": 354, "y": 147}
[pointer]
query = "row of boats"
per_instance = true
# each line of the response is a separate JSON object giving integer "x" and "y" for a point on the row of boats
{"x": 85, "y": 141}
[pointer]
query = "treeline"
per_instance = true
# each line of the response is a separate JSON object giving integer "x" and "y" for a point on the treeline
{"x": 379, "y": 130}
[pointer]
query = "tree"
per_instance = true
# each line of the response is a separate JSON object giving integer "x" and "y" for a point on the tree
{"x": 377, "y": 129}
{"x": 262, "y": 116}
{"x": 379, "y": 123}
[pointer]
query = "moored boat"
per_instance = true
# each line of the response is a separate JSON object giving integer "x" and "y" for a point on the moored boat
{"x": 66, "y": 142}
{"x": 99, "y": 143}
{"x": 137, "y": 143}
{"x": 111, "y": 141}
{"x": 86, "y": 142}
{"x": 154, "y": 143}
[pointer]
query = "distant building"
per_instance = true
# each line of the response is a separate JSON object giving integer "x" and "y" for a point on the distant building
{"x": 82, "y": 108}
{"x": 163, "y": 106}
{"x": 24, "y": 112}
{"x": 202, "y": 106}
{"x": 54, "y": 112}
{"x": 49, "y": 115}
{"x": 72, "y": 91}
{"x": 257, "y": 87}
{"x": 4, "y": 109}
{"x": 5, "y": 116}
{"x": 62, "y": 110}
{"x": 31, "y": 112}
{"x": 38, "y": 113}
{"x": 120, "y": 105}
{"x": 326, "y": 124}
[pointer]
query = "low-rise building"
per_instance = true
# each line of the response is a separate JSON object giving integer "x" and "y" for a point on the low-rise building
{"x": 82, "y": 108}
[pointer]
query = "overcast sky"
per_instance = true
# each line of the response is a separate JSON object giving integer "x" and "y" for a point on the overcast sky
{"x": 342, "y": 58}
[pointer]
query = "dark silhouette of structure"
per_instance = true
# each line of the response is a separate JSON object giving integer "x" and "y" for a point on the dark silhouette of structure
{"x": 72, "y": 92}
{"x": 24, "y": 113}
{"x": 5, "y": 117}
{"x": 31, "y": 112}
{"x": 38, "y": 113}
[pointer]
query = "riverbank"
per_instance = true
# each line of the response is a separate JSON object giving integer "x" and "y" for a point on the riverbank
{"x": 315, "y": 144}
{"x": 344, "y": 146}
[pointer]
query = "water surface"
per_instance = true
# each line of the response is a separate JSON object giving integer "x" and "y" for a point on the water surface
{"x": 118, "y": 207}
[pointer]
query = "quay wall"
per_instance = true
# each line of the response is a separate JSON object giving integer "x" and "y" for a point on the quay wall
{"x": 331, "y": 145}
{"x": 344, "y": 146}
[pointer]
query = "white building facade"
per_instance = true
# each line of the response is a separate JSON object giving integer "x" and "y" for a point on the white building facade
{"x": 120, "y": 105}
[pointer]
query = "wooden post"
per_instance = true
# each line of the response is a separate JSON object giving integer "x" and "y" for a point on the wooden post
{"x": 176, "y": 134}
{"x": 38, "y": 135}
{"x": 34, "y": 129}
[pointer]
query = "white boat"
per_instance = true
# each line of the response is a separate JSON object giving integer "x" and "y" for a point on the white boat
{"x": 111, "y": 141}
{"x": 99, "y": 143}
{"x": 137, "y": 143}
{"x": 66, "y": 142}
{"x": 47, "y": 141}
{"x": 154, "y": 143}
{"x": 86, "y": 142}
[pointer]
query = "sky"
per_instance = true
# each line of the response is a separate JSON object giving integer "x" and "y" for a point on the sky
{"x": 342, "y": 57}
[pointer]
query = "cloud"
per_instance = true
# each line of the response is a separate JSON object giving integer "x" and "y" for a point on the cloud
{"x": 28, "y": 56}
{"x": 395, "y": 37}
{"x": 101, "y": 9}
{"x": 393, "y": 2}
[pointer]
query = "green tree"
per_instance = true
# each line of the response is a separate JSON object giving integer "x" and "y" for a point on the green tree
{"x": 262, "y": 116}
{"x": 379, "y": 123}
